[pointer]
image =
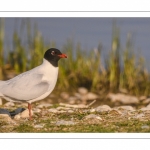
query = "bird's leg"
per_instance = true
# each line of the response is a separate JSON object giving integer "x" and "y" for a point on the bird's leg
{"x": 29, "y": 108}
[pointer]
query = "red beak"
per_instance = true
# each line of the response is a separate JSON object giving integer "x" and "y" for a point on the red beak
{"x": 63, "y": 56}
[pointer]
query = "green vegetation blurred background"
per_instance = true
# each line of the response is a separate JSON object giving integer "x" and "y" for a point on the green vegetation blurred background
{"x": 122, "y": 70}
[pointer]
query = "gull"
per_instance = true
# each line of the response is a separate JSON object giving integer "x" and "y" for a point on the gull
{"x": 35, "y": 84}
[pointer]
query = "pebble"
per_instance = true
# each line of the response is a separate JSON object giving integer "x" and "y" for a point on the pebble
{"x": 77, "y": 95}
{"x": 142, "y": 98}
{"x": 39, "y": 126}
{"x": 122, "y": 98}
{"x": 115, "y": 112}
{"x": 148, "y": 106}
{"x": 23, "y": 105}
{"x": 36, "y": 110}
{"x": 44, "y": 105}
{"x": 93, "y": 116}
{"x": 70, "y": 111}
{"x": 130, "y": 108}
{"x": 63, "y": 122}
{"x": 62, "y": 108}
{"x": 88, "y": 96}
{"x": 92, "y": 110}
{"x": 64, "y": 95}
{"x": 72, "y": 100}
{"x": 91, "y": 96}
{"x": 145, "y": 108}
{"x": 92, "y": 119}
{"x": 25, "y": 113}
{"x": 61, "y": 111}
{"x": 103, "y": 108}
{"x": 139, "y": 116}
{"x": 1, "y": 102}
{"x": 145, "y": 127}
{"x": 6, "y": 117}
{"x": 9, "y": 104}
{"x": 53, "y": 110}
{"x": 146, "y": 101}
{"x": 82, "y": 90}
{"x": 126, "y": 113}
{"x": 17, "y": 117}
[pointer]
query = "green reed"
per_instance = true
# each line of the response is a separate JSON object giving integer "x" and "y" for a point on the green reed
{"x": 1, "y": 47}
{"x": 121, "y": 70}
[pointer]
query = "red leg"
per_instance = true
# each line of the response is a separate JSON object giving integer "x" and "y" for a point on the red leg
{"x": 29, "y": 108}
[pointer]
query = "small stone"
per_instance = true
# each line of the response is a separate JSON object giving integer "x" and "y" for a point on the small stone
{"x": 92, "y": 110}
{"x": 126, "y": 108}
{"x": 145, "y": 108}
{"x": 44, "y": 105}
{"x": 91, "y": 96}
{"x": 62, "y": 111}
{"x": 63, "y": 122}
{"x": 103, "y": 108}
{"x": 85, "y": 111}
{"x": 62, "y": 108}
{"x": 22, "y": 105}
{"x": 25, "y": 113}
{"x": 9, "y": 104}
{"x": 145, "y": 127}
{"x": 92, "y": 116}
{"x": 146, "y": 101}
{"x": 88, "y": 96}
{"x": 36, "y": 110}
{"x": 64, "y": 95}
{"x": 139, "y": 116}
{"x": 70, "y": 111}
{"x": 82, "y": 90}
{"x": 53, "y": 110}
{"x": 1, "y": 102}
{"x": 126, "y": 113}
{"x": 72, "y": 100}
{"x": 17, "y": 117}
{"x": 123, "y": 91}
{"x": 122, "y": 98}
{"x": 77, "y": 95}
{"x": 148, "y": 106}
{"x": 115, "y": 112}
{"x": 92, "y": 119}
{"x": 5, "y": 117}
{"x": 142, "y": 98}
{"x": 39, "y": 126}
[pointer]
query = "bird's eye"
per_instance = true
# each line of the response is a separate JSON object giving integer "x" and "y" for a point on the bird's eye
{"x": 53, "y": 53}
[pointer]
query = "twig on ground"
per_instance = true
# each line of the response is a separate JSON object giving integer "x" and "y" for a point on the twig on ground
{"x": 78, "y": 106}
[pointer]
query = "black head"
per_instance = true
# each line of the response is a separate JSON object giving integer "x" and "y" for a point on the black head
{"x": 53, "y": 55}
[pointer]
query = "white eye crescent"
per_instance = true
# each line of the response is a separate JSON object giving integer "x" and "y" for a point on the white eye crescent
{"x": 53, "y": 53}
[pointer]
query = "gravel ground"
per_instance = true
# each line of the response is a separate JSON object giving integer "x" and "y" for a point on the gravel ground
{"x": 77, "y": 118}
{"x": 79, "y": 112}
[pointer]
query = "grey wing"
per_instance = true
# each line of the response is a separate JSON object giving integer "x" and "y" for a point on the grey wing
{"x": 25, "y": 87}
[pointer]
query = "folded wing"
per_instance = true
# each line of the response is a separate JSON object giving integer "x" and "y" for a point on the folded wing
{"x": 25, "y": 87}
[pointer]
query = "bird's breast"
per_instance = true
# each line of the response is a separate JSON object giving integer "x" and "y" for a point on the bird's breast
{"x": 51, "y": 78}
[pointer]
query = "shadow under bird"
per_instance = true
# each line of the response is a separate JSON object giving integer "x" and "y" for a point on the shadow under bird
{"x": 35, "y": 84}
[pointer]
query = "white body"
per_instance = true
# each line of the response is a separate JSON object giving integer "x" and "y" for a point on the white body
{"x": 32, "y": 85}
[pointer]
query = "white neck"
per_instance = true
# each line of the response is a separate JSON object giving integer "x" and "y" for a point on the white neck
{"x": 48, "y": 69}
